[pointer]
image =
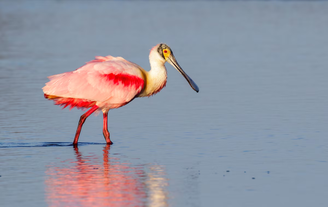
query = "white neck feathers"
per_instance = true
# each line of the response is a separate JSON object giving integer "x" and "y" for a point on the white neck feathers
{"x": 156, "y": 77}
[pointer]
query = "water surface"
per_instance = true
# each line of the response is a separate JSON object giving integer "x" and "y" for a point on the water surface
{"x": 255, "y": 134}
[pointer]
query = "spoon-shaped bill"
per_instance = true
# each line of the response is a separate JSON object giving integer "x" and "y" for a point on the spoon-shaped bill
{"x": 176, "y": 65}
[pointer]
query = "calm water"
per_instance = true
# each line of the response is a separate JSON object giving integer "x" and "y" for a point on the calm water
{"x": 255, "y": 135}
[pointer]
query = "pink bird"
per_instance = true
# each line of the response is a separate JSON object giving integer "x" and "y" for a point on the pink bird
{"x": 111, "y": 82}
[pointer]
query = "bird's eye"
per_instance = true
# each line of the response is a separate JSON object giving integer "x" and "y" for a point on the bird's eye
{"x": 166, "y": 53}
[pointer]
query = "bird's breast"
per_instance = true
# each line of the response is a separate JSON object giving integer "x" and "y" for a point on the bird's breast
{"x": 153, "y": 83}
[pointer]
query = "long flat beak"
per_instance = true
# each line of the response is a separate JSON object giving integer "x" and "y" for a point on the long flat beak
{"x": 171, "y": 59}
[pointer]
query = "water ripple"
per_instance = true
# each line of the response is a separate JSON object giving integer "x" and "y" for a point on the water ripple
{"x": 44, "y": 144}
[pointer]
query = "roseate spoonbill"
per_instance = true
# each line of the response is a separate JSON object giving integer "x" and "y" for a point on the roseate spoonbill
{"x": 111, "y": 82}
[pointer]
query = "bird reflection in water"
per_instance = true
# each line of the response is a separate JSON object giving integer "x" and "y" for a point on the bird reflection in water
{"x": 87, "y": 182}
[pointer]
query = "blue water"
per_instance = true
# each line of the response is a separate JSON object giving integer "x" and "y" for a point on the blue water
{"x": 255, "y": 134}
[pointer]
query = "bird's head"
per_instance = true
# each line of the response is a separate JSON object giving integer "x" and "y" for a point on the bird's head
{"x": 166, "y": 53}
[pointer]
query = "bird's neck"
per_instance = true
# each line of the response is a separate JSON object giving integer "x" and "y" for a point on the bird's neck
{"x": 155, "y": 78}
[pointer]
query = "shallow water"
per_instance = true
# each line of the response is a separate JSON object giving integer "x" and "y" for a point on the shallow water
{"x": 255, "y": 134}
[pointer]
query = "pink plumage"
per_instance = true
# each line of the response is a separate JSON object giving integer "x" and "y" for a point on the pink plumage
{"x": 108, "y": 82}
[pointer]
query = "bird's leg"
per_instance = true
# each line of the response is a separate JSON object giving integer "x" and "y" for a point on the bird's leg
{"x": 81, "y": 122}
{"x": 105, "y": 129}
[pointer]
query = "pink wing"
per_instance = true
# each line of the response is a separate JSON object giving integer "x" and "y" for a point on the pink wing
{"x": 108, "y": 82}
